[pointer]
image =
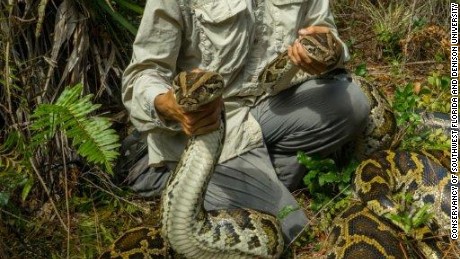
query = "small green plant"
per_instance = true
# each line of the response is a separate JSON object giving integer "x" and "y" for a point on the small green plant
{"x": 70, "y": 115}
{"x": 408, "y": 106}
{"x": 410, "y": 220}
{"x": 435, "y": 94}
{"x": 91, "y": 135}
{"x": 419, "y": 22}
{"x": 405, "y": 105}
{"x": 390, "y": 23}
{"x": 361, "y": 70}
{"x": 328, "y": 187}
{"x": 324, "y": 180}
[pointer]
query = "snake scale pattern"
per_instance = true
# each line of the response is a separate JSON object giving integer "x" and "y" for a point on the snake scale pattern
{"x": 188, "y": 231}
{"x": 366, "y": 229}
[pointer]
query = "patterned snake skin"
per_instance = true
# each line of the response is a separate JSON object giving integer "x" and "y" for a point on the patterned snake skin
{"x": 366, "y": 227}
{"x": 361, "y": 231}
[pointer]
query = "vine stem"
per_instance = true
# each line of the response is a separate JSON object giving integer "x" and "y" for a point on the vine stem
{"x": 42, "y": 182}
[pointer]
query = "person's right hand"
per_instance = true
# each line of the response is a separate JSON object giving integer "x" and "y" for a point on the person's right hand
{"x": 201, "y": 121}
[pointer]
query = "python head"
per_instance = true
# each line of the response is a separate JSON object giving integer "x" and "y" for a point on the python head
{"x": 192, "y": 89}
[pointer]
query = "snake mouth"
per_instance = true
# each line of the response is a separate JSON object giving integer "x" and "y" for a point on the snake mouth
{"x": 189, "y": 104}
{"x": 187, "y": 101}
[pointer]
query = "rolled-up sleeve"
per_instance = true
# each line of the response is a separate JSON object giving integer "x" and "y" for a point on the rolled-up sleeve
{"x": 153, "y": 64}
{"x": 319, "y": 14}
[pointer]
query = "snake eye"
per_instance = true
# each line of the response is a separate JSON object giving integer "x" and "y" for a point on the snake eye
{"x": 211, "y": 90}
{"x": 200, "y": 90}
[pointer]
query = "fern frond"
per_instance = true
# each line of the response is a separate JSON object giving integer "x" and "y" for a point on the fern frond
{"x": 13, "y": 155}
{"x": 11, "y": 162}
{"x": 14, "y": 166}
{"x": 91, "y": 135}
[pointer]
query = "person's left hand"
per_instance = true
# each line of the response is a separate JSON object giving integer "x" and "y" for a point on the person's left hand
{"x": 298, "y": 54}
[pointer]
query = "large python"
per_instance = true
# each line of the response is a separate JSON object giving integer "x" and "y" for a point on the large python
{"x": 364, "y": 230}
{"x": 366, "y": 227}
{"x": 194, "y": 233}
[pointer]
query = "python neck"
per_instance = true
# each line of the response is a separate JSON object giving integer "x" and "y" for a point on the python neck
{"x": 182, "y": 210}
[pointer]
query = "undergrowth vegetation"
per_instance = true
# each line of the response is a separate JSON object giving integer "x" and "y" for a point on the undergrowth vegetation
{"x": 57, "y": 197}
{"x": 56, "y": 151}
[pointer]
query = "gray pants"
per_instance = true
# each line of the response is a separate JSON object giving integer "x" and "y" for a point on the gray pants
{"x": 318, "y": 116}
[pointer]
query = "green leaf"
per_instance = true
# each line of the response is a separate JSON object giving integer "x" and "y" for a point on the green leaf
{"x": 26, "y": 189}
{"x": 319, "y": 202}
{"x": 309, "y": 177}
{"x": 117, "y": 17}
{"x": 361, "y": 70}
{"x": 131, "y": 6}
{"x": 421, "y": 217}
{"x": 329, "y": 177}
{"x": 303, "y": 159}
{"x": 445, "y": 83}
{"x": 4, "y": 198}
{"x": 285, "y": 211}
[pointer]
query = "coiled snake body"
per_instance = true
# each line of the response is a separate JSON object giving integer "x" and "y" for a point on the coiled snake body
{"x": 366, "y": 228}
{"x": 191, "y": 231}
{"x": 243, "y": 233}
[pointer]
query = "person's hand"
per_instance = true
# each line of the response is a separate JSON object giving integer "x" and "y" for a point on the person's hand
{"x": 201, "y": 121}
{"x": 298, "y": 54}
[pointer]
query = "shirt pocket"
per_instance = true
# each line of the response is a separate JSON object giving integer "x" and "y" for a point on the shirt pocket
{"x": 288, "y": 18}
{"x": 223, "y": 33}
{"x": 219, "y": 11}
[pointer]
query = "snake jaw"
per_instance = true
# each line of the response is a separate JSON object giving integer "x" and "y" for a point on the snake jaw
{"x": 321, "y": 47}
{"x": 188, "y": 104}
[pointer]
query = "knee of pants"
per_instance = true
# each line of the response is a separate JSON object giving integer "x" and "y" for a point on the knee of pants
{"x": 289, "y": 170}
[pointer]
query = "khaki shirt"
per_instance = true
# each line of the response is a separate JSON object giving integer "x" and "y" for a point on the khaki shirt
{"x": 236, "y": 38}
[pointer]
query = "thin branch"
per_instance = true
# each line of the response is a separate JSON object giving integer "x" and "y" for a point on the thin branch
{"x": 66, "y": 195}
{"x": 116, "y": 196}
{"x": 48, "y": 193}
{"x": 31, "y": 20}
{"x": 96, "y": 226}
{"x": 407, "y": 64}
{"x": 17, "y": 217}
